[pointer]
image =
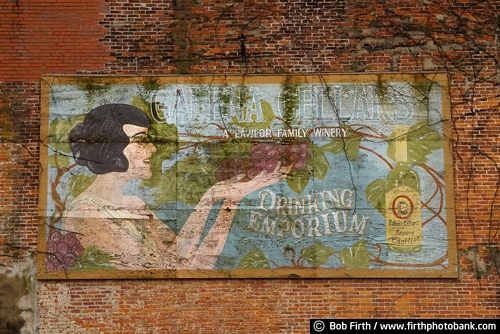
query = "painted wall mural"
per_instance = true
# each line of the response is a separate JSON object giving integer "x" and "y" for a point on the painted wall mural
{"x": 246, "y": 176}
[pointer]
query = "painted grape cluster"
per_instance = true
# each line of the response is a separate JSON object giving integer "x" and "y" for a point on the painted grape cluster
{"x": 265, "y": 157}
{"x": 63, "y": 250}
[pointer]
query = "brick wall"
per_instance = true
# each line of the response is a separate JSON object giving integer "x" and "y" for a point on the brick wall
{"x": 201, "y": 37}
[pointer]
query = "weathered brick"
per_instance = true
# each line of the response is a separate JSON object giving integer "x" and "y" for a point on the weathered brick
{"x": 151, "y": 37}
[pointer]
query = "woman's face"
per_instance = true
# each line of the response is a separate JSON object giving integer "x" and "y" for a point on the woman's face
{"x": 138, "y": 151}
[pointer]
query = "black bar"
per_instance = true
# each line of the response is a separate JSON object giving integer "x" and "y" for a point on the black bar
{"x": 478, "y": 326}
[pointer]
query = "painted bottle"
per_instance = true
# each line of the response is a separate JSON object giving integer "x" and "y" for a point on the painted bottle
{"x": 402, "y": 198}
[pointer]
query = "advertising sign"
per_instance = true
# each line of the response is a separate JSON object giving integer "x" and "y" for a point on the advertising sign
{"x": 246, "y": 176}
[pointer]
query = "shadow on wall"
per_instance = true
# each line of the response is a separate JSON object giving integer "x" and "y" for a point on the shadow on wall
{"x": 12, "y": 289}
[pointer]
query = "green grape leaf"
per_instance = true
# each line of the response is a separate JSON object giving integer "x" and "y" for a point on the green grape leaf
{"x": 318, "y": 162}
{"x": 316, "y": 166}
{"x": 255, "y": 259}
{"x": 297, "y": 180}
{"x": 94, "y": 259}
{"x": 161, "y": 133}
{"x": 375, "y": 195}
{"x": 59, "y": 160}
{"x": 349, "y": 144}
{"x": 143, "y": 104}
{"x": 316, "y": 254}
{"x": 356, "y": 256}
{"x": 78, "y": 183}
{"x": 59, "y": 132}
{"x": 186, "y": 181}
{"x": 422, "y": 140}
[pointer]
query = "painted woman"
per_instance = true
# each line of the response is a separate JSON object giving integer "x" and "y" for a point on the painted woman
{"x": 112, "y": 142}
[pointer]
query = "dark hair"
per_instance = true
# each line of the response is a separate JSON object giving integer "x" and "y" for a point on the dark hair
{"x": 98, "y": 141}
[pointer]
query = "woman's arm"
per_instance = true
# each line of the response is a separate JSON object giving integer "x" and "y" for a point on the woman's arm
{"x": 204, "y": 256}
{"x": 163, "y": 236}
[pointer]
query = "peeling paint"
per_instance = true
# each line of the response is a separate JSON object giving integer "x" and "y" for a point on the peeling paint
{"x": 17, "y": 297}
{"x": 479, "y": 266}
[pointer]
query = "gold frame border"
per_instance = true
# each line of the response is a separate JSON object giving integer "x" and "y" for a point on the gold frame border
{"x": 438, "y": 77}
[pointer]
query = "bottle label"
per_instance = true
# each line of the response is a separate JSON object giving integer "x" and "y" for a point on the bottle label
{"x": 404, "y": 220}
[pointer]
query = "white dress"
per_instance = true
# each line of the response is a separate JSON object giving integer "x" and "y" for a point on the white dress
{"x": 121, "y": 234}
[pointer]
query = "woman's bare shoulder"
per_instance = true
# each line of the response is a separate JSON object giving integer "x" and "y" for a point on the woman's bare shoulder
{"x": 84, "y": 210}
{"x": 135, "y": 204}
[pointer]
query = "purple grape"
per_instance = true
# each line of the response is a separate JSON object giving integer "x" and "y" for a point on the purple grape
{"x": 222, "y": 173}
{"x": 78, "y": 250}
{"x": 225, "y": 163}
{"x": 271, "y": 165}
{"x": 219, "y": 174}
{"x": 304, "y": 155}
{"x": 55, "y": 237}
{"x": 260, "y": 163}
{"x": 258, "y": 147}
{"x": 70, "y": 260}
{"x": 247, "y": 163}
{"x": 51, "y": 247}
{"x": 62, "y": 248}
{"x": 294, "y": 156}
{"x": 253, "y": 172}
{"x": 59, "y": 256}
{"x": 56, "y": 259}
{"x": 52, "y": 258}
{"x": 283, "y": 148}
{"x": 70, "y": 239}
{"x": 259, "y": 154}
{"x": 236, "y": 162}
{"x": 272, "y": 154}
{"x": 301, "y": 164}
